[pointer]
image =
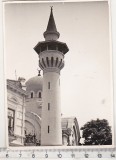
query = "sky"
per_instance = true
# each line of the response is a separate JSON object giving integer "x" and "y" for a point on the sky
{"x": 86, "y": 79}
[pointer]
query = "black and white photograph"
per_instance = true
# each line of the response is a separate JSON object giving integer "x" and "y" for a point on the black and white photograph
{"x": 59, "y": 76}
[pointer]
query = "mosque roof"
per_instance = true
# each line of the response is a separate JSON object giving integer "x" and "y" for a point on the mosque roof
{"x": 34, "y": 84}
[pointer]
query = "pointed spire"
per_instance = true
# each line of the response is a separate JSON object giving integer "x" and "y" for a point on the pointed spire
{"x": 51, "y": 23}
{"x": 51, "y": 32}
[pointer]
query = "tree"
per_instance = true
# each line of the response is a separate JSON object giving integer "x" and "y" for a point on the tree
{"x": 97, "y": 132}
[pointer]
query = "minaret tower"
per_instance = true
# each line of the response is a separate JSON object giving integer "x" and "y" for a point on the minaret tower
{"x": 51, "y": 60}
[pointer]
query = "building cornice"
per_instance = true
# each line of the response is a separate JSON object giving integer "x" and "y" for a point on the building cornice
{"x": 16, "y": 89}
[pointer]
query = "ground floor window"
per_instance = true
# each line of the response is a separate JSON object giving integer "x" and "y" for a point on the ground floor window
{"x": 11, "y": 116}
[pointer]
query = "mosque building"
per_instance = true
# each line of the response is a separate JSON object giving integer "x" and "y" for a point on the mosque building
{"x": 34, "y": 111}
{"x": 25, "y": 112}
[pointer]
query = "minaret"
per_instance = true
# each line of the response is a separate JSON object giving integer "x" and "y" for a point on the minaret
{"x": 51, "y": 60}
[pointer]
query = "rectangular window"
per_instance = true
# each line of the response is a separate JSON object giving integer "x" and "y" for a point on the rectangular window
{"x": 39, "y": 94}
{"x": 48, "y": 129}
{"x": 48, "y": 85}
{"x": 48, "y": 106}
{"x": 11, "y": 116}
{"x": 31, "y": 94}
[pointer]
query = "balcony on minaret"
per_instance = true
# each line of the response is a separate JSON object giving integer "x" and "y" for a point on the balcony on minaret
{"x": 51, "y": 35}
{"x": 51, "y": 45}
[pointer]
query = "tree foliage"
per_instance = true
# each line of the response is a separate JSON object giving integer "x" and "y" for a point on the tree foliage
{"x": 97, "y": 132}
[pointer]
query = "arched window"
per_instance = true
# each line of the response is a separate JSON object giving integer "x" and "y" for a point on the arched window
{"x": 56, "y": 61}
{"x": 52, "y": 61}
{"x": 43, "y": 63}
{"x": 39, "y": 95}
{"x": 60, "y": 63}
{"x": 32, "y": 94}
{"x": 74, "y": 136}
{"x": 47, "y": 59}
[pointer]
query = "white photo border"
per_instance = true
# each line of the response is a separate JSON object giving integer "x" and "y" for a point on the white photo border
{"x": 3, "y": 110}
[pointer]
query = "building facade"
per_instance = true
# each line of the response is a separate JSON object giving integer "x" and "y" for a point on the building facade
{"x": 16, "y": 112}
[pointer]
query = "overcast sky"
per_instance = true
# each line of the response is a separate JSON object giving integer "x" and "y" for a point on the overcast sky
{"x": 86, "y": 83}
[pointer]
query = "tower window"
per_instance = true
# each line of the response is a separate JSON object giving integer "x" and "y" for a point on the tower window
{"x": 47, "y": 61}
{"x": 48, "y": 85}
{"x": 43, "y": 62}
{"x": 32, "y": 95}
{"x": 40, "y": 64}
{"x": 52, "y": 61}
{"x": 39, "y": 94}
{"x": 56, "y": 61}
{"x": 48, "y": 106}
{"x": 60, "y": 63}
{"x": 48, "y": 129}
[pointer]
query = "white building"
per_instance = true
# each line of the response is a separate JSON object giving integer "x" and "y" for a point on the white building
{"x": 16, "y": 112}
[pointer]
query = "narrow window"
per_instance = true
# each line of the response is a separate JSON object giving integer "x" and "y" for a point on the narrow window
{"x": 60, "y": 63}
{"x": 48, "y": 129}
{"x": 48, "y": 85}
{"x": 25, "y": 132}
{"x": 31, "y": 94}
{"x": 59, "y": 82}
{"x": 47, "y": 61}
{"x": 39, "y": 94}
{"x": 52, "y": 61}
{"x": 43, "y": 63}
{"x": 11, "y": 118}
{"x": 40, "y": 64}
{"x": 48, "y": 106}
{"x": 56, "y": 61}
